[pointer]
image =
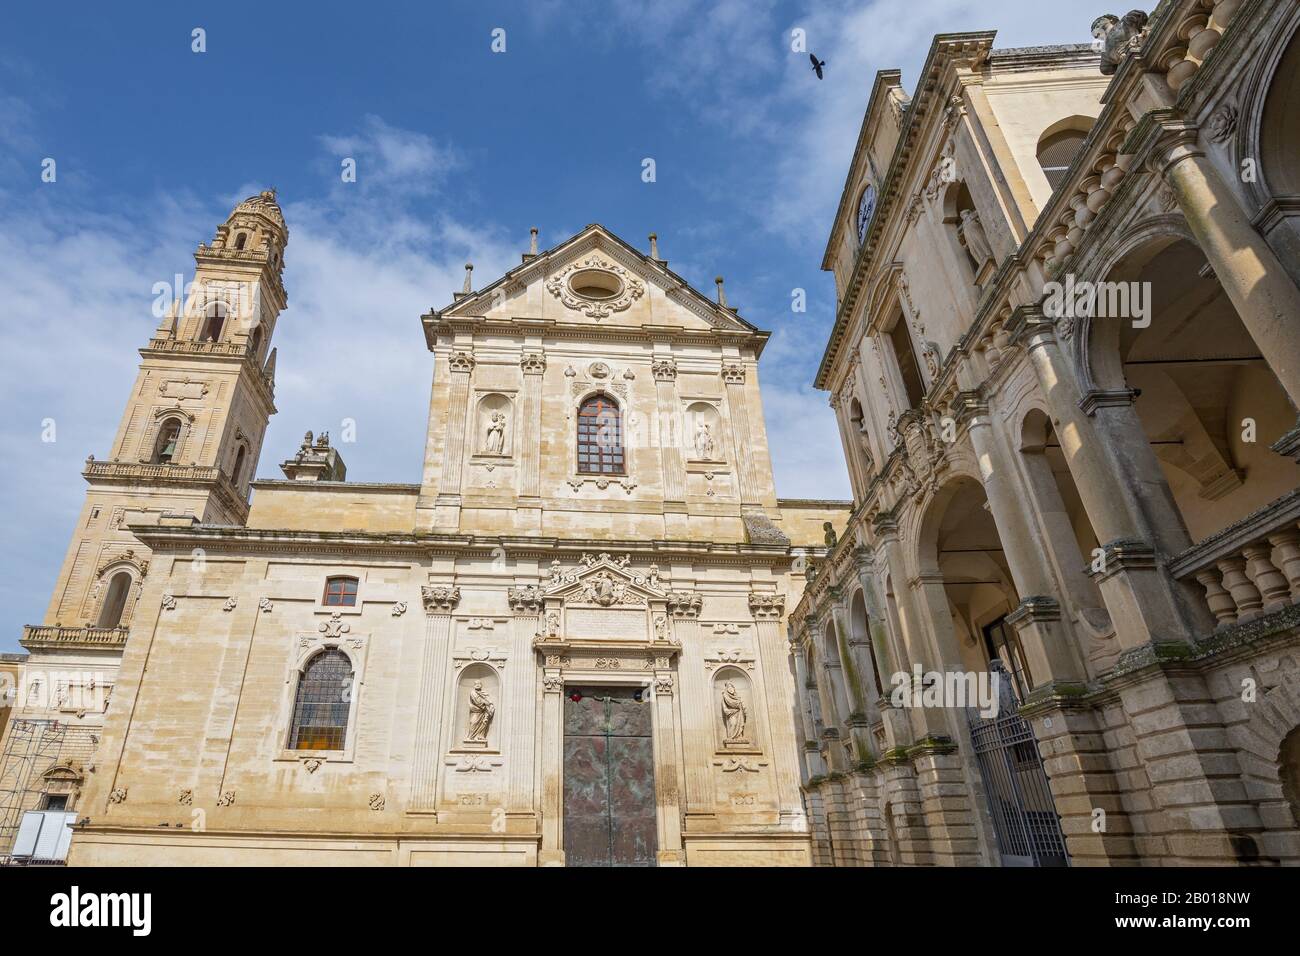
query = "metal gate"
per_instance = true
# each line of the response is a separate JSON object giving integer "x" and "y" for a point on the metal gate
{"x": 1024, "y": 816}
{"x": 609, "y": 778}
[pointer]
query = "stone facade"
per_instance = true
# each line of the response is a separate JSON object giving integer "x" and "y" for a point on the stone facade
{"x": 1100, "y": 498}
{"x": 531, "y": 568}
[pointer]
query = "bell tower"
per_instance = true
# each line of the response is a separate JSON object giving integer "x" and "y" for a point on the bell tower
{"x": 190, "y": 437}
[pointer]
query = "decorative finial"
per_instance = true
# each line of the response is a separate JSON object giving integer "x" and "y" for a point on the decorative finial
{"x": 532, "y": 241}
{"x": 654, "y": 246}
{"x": 469, "y": 271}
{"x": 722, "y": 293}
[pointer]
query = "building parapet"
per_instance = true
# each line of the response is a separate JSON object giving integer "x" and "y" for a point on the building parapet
{"x": 94, "y": 638}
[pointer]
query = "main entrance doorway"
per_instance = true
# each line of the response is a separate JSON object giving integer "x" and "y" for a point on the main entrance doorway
{"x": 609, "y": 778}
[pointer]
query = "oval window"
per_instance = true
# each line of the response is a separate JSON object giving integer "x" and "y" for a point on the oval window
{"x": 595, "y": 284}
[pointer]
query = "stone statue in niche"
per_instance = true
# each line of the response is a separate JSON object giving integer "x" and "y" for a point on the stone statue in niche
{"x": 974, "y": 238}
{"x": 495, "y": 443}
{"x": 481, "y": 713}
{"x": 703, "y": 440}
{"x": 734, "y": 715}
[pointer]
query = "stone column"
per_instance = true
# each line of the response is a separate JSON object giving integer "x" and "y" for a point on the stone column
{"x": 1266, "y": 299}
{"x": 697, "y": 727}
{"x": 460, "y": 365}
{"x": 551, "y": 769}
{"x": 856, "y": 721}
{"x": 1045, "y": 638}
{"x": 526, "y": 603}
{"x": 671, "y": 426}
{"x": 533, "y": 365}
{"x": 768, "y": 609}
{"x": 667, "y": 795}
{"x": 733, "y": 377}
{"x": 814, "y": 765}
{"x": 439, "y": 603}
{"x": 1145, "y": 604}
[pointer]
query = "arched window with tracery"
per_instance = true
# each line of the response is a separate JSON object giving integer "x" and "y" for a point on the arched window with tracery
{"x": 600, "y": 437}
{"x": 322, "y": 703}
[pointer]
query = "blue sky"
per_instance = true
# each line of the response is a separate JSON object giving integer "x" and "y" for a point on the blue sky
{"x": 459, "y": 151}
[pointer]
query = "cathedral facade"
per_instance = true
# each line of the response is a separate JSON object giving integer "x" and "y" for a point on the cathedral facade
{"x": 565, "y": 645}
{"x": 1066, "y": 367}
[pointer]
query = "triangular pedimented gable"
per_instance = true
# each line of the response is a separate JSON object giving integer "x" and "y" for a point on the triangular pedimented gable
{"x": 627, "y": 288}
{"x": 603, "y": 581}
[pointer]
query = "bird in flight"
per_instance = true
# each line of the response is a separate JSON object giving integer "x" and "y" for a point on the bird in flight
{"x": 817, "y": 64}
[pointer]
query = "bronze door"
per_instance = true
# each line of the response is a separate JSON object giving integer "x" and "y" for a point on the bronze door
{"x": 609, "y": 778}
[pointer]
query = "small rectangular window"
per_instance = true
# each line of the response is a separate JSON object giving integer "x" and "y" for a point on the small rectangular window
{"x": 908, "y": 367}
{"x": 341, "y": 592}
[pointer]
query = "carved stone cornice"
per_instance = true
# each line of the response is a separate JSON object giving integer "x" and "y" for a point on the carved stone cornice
{"x": 684, "y": 603}
{"x": 1107, "y": 398}
{"x": 1035, "y": 609}
{"x": 440, "y": 599}
{"x": 968, "y": 406}
{"x": 526, "y": 599}
{"x": 765, "y": 605}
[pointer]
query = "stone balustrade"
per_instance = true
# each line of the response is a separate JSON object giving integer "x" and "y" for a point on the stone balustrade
{"x": 41, "y": 635}
{"x": 192, "y": 347}
{"x": 1251, "y": 567}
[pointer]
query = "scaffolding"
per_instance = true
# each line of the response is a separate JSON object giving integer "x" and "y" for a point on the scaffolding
{"x": 32, "y": 748}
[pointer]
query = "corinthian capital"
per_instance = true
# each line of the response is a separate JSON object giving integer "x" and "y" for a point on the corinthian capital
{"x": 765, "y": 605}
{"x": 684, "y": 603}
{"x": 440, "y": 599}
{"x": 526, "y": 599}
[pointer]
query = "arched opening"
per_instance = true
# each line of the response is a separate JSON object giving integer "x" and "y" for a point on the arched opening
{"x": 1059, "y": 145}
{"x": 836, "y": 705}
{"x": 600, "y": 437}
{"x": 960, "y": 541}
{"x": 1288, "y": 771}
{"x": 322, "y": 703}
{"x": 1279, "y": 132}
{"x": 1209, "y": 404}
{"x": 241, "y": 240}
{"x": 165, "y": 446}
{"x": 214, "y": 322}
{"x": 237, "y": 472}
{"x": 861, "y": 629}
{"x": 119, "y": 589}
{"x": 1062, "y": 517}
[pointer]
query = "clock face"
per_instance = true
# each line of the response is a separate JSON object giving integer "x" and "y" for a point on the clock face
{"x": 866, "y": 206}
